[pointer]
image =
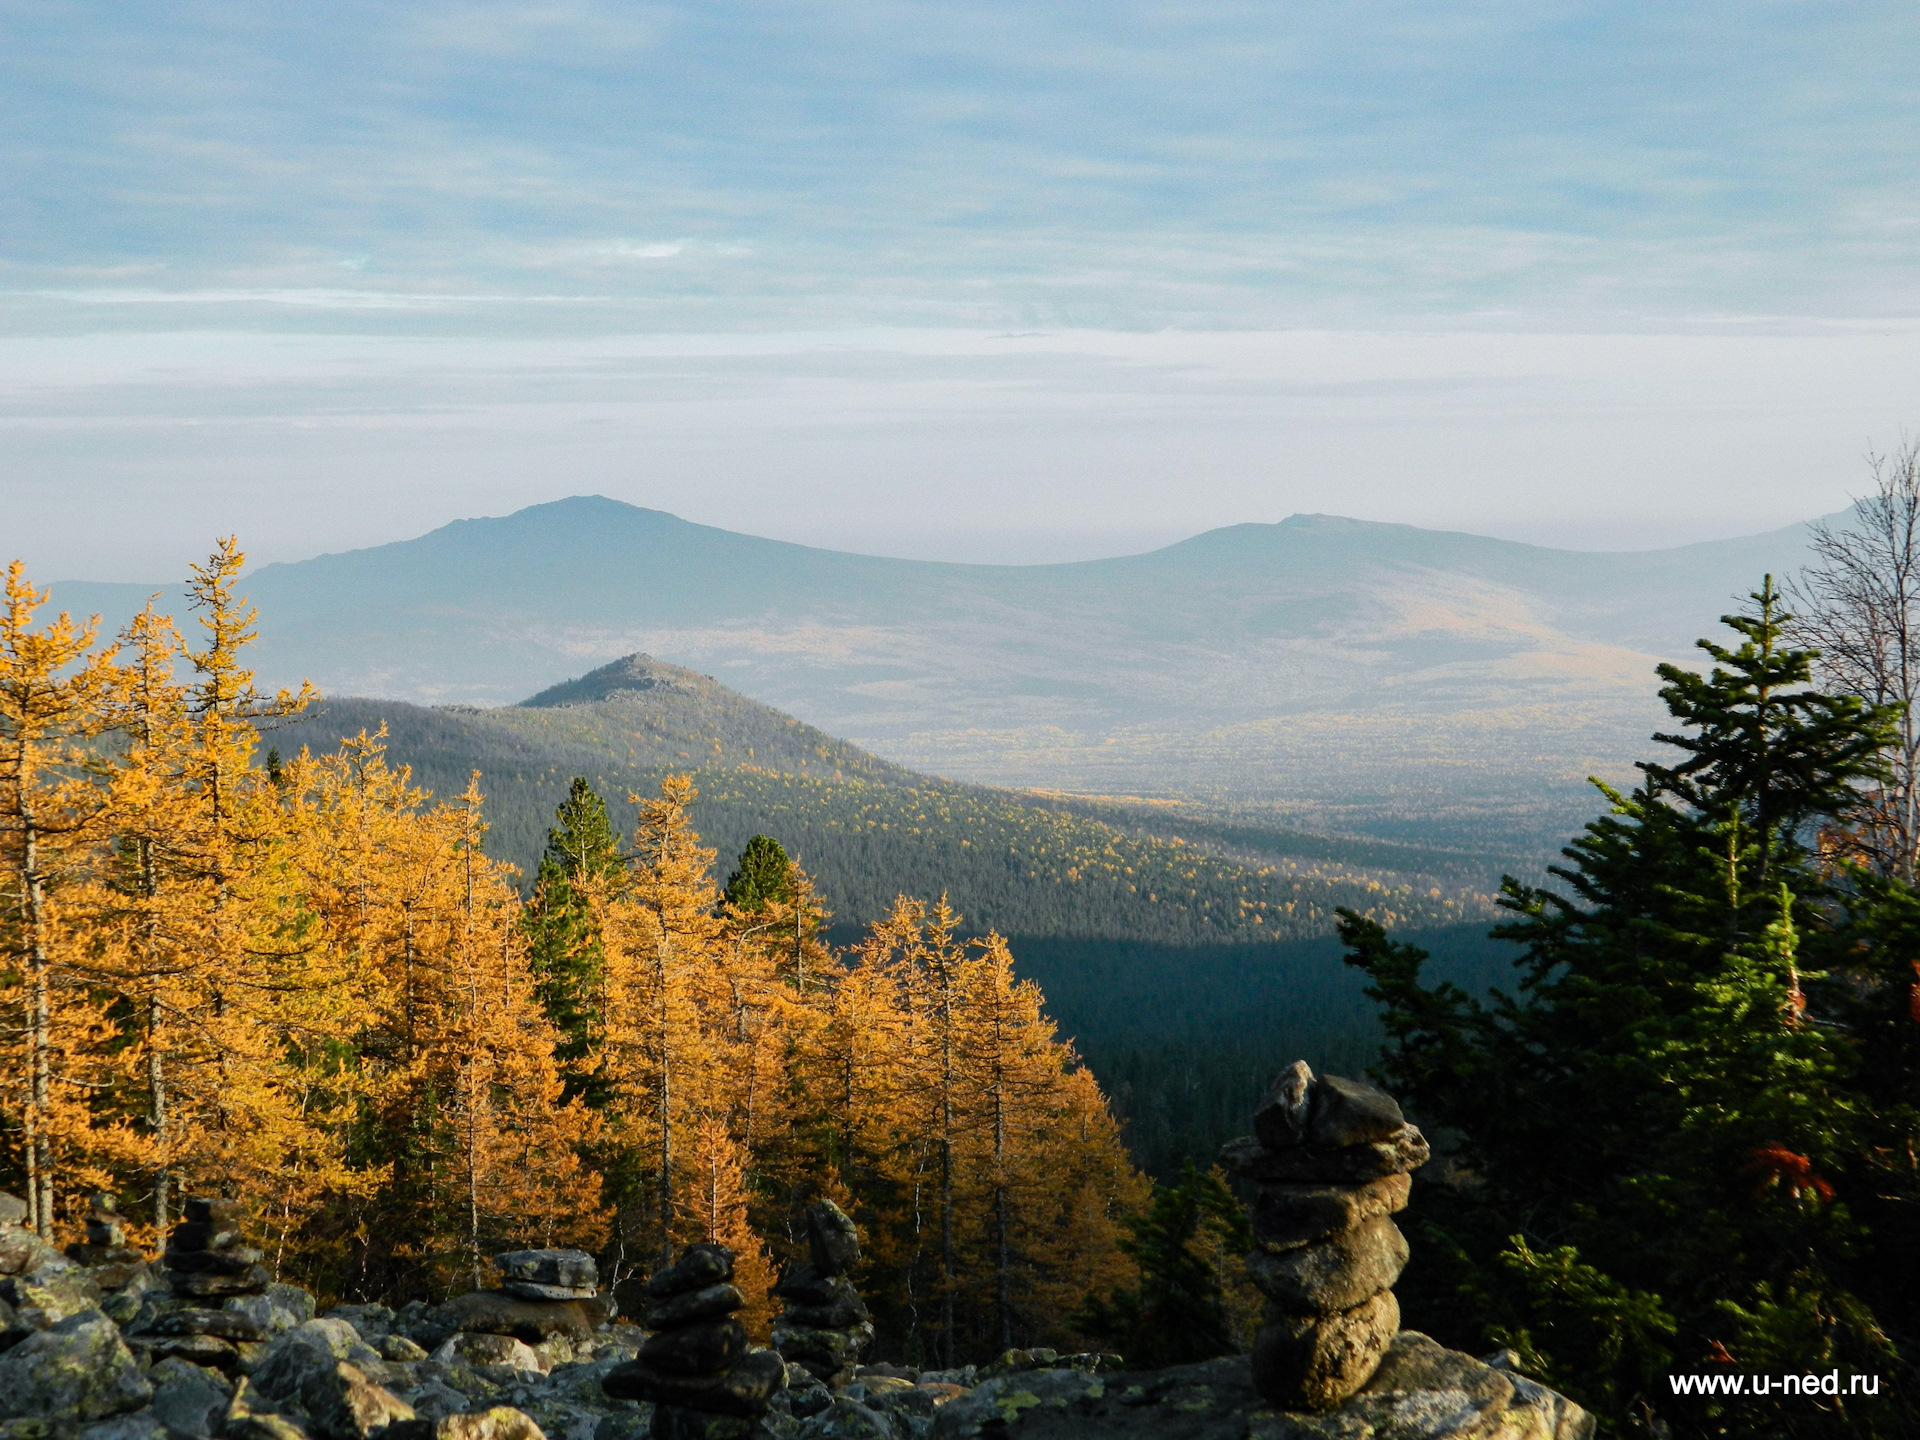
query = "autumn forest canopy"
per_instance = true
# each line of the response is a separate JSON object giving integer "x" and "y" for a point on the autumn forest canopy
{"x": 1680, "y": 1134}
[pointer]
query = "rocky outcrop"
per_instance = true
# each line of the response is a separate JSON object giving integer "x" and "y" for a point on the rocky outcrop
{"x": 1329, "y": 1164}
{"x": 1419, "y": 1391}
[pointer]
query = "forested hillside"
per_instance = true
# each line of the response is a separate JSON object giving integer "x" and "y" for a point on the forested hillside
{"x": 1181, "y": 952}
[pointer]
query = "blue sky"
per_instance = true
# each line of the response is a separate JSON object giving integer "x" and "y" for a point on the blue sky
{"x": 334, "y": 273}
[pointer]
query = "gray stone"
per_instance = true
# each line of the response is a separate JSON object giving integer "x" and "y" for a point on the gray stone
{"x": 1311, "y": 1362}
{"x": 1335, "y": 1274}
{"x": 78, "y": 1370}
{"x": 1351, "y": 1112}
{"x": 401, "y": 1351}
{"x": 208, "y": 1350}
{"x": 847, "y": 1308}
{"x": 45, "y": 1298}
{"x": 345, "y": 1403}
{"x": 500, "y": 1422}
{"x": 204, "y": 1235}
{"x": 206, "y": 1285}
{"x": 683, "y": 1309}
{"x": 276, "y": 1310}
{"x": 138, "y": 1425}
{"x": 13, "y": 1210}
{"x": 531, "y": 1290}
{"x": 189, "y": 1399}
{"x": 833, "y": 1241}
{"x": 847, "y": 1420}
{"x": 743, "y": 1390}
{"x": 698, "y": 1267}
{"x": 24, "y": 1253}
{"x": 1280, "y": 1120}
{"x": 483, "y": 1349}
{"x": 1405, "y": 1150}
{"x": 496, "y": 1313}
{"x": 249, "y": 1418}
{"x": 227, "y": 1324}
{"x": 573, "y": 1269}
{"x": 307, "y": 1349}
{"x": 834, "y": 1348}
{"x": 234, "y": 1260}
{"x": 698, "y": 1349}
{"x": 809, "y": 1286}
{"x": 210, "y": 1210}
{"x": 1288, "y": 1216}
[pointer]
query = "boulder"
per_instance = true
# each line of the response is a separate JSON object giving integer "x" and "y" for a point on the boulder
{"x": 46, "y": 1297}
{"x": 135, "y": 1425}
{"x": 848, "y": 1419}
{"x": 698, "y": 1267}
{"x": 13, "y": 1210}
{"x": 1308, "y": 1362}
{"x": 346, "y": 1404}
{"x": 24, "y": 1253}
{"x": 248, "y": 1419}
{"x": 1286, "y": 1216}
{"x": 190, "y": 1400}
{"x": 532, "y": 1290}
{"x": 832, "y": 1348}
{"x": 707, "y": 1303}
{"x": 79, "y": 1370}
{"x": 463, "y": 1348}
{"x": 696, "y": 1349}
{"x": 1405, "y": 1150}
{"x": 1333, "y": 1274}
{"x": 212, "y": 1210}
{"x": 568, "y": 1269}
{"x": 276, "y": 1310}
{"x": 307, "y": 1349}
{"x": 496, "y": 1313}
{"x": 1351, "y": 1112}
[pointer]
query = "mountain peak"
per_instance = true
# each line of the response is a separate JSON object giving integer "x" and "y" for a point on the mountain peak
{"x": 627, "y": 675}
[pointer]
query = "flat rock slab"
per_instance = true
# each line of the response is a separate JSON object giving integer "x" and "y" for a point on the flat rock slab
{"x": 1421, "y": 1392}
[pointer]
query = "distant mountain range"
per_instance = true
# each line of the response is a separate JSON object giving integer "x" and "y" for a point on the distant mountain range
{"x": 1337, "y": 674}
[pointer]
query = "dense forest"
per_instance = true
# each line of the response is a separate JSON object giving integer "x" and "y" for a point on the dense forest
{"x": 300, "y": 979}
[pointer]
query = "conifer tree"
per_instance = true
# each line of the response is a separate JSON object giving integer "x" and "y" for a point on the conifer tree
{"x": 1652, "y": 1121}
{"x": 55, "y": 693}
{"x": 583, "y": 850}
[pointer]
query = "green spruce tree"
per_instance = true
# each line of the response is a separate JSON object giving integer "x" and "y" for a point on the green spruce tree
{"x": 1187, "y": 1244}
{"x": 765, "y": 873}
{"x": 564, "y": 947}
{"x": 1646, "y": 1135}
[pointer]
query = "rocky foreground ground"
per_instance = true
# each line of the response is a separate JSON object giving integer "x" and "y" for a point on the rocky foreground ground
{"x": 101, "y": 1343}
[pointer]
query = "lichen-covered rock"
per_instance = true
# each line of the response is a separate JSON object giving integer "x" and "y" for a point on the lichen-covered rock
{"x": 79, "y": 1370}
{"x": 47, "y": 1296}
{"x": 1350, "y": 1112}
{"x": 135, "y": 1425}
{"x": 191, "y": 1400}
{"x": 308, "y": 1349}
{"x": 833, "y": 1240}
{"x": 743, "y": 1390}
{"x": 848, "y": 1419}
{"x": 24, "y": 1253}
{"x": 1312, "y": 1361}
{"x": 470, "y": 1349}
{"x": 346, "y": 1404}
{"x": 1420, "y": 1391}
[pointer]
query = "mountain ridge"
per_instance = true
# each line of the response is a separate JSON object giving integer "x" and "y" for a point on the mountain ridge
{"x": 1351, "y": 675}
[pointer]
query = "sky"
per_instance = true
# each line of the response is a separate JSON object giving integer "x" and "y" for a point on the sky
{"x": 1014, "y": 281}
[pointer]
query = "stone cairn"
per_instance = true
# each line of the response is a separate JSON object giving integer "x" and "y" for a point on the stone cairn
{"x": 1329, "y": 1162}
{"x": 824, "y": 1326}
{"x": 211, "y": 1271}
{"x": 696, "y": 1367}
{"x": 105, "y": 1250}
{"x": 543, "y": 1295}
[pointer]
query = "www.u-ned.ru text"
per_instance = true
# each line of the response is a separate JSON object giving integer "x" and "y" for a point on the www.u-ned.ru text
{"x": 1809, "y": 1384}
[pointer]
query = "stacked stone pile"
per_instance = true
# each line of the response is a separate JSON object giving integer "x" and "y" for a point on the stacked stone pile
{"x": 543, "y": 1295}
{"x": 211, "y": 1273}
{"x": 112, "y": 1262}
{"x": 696, "y": 1367}
{"x": 1329, "y": 1163}
{"x": 824, "y": 1326}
